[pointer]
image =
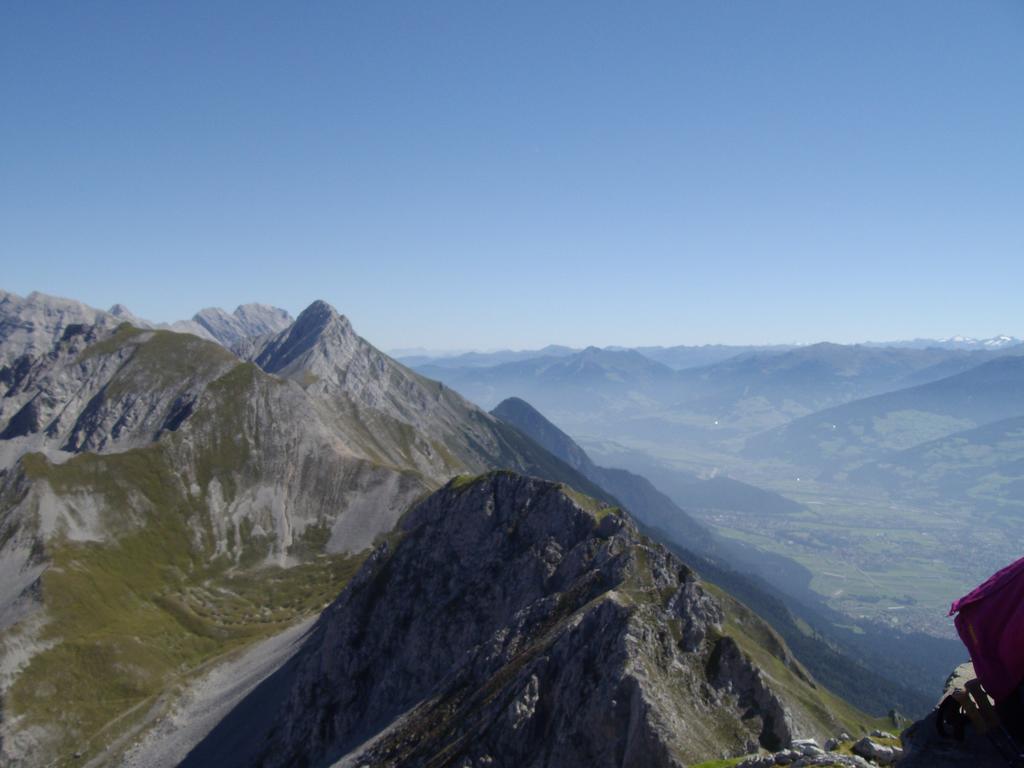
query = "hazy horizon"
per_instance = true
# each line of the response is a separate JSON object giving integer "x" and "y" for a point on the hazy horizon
{"x": 444, "y": 351}
{"x": 503, "y": 176}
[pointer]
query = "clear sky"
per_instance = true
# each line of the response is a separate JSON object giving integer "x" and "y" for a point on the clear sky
{"x": 487, "y": 174}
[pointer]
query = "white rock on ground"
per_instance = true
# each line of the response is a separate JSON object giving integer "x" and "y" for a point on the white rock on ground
{"x": 207, "y": 700}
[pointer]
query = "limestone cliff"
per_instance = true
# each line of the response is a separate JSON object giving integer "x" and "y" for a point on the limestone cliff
{"x": 515, "y": 622}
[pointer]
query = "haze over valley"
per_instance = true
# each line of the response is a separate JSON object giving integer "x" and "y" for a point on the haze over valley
{"x": 888, "y": 461}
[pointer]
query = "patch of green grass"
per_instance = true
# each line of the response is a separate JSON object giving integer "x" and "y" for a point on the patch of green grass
{"x": 313, "y": 540}
{"x": 768, "y": 651}
{"x": 122, "y": 334}
{"x": 724, "y": 763}
{"x": 227, "y": 450}
{"x": 461, "y": 482}
{"x": 131, "y": 617}
{"x": 451, "y": 463}
{"x": 598, "y": 509}
{"x": 165, "y": 360}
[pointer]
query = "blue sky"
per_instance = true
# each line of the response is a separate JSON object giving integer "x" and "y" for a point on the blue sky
{"x": 487, "y": 174}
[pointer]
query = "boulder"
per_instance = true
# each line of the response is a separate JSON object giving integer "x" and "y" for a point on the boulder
{"x": 878, "y": 753}
{"x": 924, "y": 748}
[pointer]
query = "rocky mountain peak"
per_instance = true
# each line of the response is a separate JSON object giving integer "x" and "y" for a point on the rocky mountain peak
{"x": 263, "y": 318}
{"x": 248, "y": 321}
{"x": 120, "y": 310}
{"x": 530, "y": 421}
{"x": 319, "y": 324}
{"x": 319, "y": 308}
{"x": 33, "y": 324}
{"x": 511, "y": 612}
{"x": 321, "y": 316}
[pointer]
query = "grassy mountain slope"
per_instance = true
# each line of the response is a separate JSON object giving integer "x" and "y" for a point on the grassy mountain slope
{"x": 982, "y": 466}
{"x": 868, "y": 429}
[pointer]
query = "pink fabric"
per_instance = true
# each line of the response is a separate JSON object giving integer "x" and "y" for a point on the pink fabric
{"x": 990, "y": 621}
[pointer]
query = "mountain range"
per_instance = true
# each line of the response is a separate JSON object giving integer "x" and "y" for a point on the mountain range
{"x": 681, "y": 356}
{"x": 982, "y": 467}
{"x": 1001, "y": 341}
{"x": 165, "y": 502}
{"x": 394, "y": 575}
{"x": 870, "y": 428}
{"x": 821, "y": 410}
{"x": 622, "y": 393}
{"x": 33, "y": 323}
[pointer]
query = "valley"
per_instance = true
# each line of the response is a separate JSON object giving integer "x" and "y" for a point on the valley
{"x": 872, "y": 555}
{"x": 888, "y": 531}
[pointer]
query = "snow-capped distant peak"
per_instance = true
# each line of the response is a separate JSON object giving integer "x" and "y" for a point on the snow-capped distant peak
{"x": 1000, "y": 341}
{"x": 968, "y": 342}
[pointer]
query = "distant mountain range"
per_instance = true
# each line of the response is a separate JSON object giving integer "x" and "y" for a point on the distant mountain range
{"x": 954, "y": 342}
{"x": 483, "y": 359}
{"x": 871, "y": 428}
{"x": 931, "y": 430}
{"x": 247, "y": 322}
{"x": 814, "y": 377}
{"x": 983, "y": 467}
{"x": 625, "y": 393}
{"x": 681, "y": 357}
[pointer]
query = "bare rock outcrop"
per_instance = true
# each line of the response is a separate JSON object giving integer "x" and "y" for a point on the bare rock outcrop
{"x": 512, "y": 623}
{"x": 923, "y": 747}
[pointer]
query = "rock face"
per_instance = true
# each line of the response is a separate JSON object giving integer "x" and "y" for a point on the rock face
{"x": 347, "y": 457}
{"x": 163, "y": 502}
{"x": 650, "y": 505}
{"x": 925, "y": 748}
{"x": 126, "y": 450}
{"x": 248, "y": 321}
{"x": 94, "y": 391}
{"x": 398, "y": 416}
{"x": 795, "y": 759}
{"x": 33, "y": 324}
{"x": 882, "y": 754}
{"x": 738, "y": 568}
{"x": 513, "y": 623}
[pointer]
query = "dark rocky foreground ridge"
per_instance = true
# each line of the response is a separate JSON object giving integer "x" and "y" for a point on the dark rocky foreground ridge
{"x": 512, "y": 621}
